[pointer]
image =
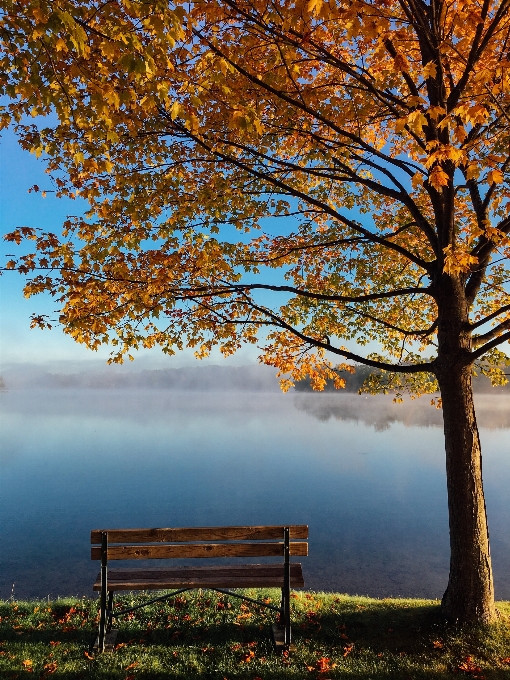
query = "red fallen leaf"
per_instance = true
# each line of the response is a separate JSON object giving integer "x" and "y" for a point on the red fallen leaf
{"x": 437, "y": 644}
{"x": 348, "y": 649}
{"x": 88, "y": 656}
{"x": 54, "y": 643}
{"x": 469, "y": 667}
{"x": 120, "y": 645}
{"x": 132, "y": 665}
{"x": 322, "y": 665}
{"x": 507, "y": 660}
{"x": 344, "y": 636}
{"x": 48, "y": 669}
{"x": 247, "y": 656}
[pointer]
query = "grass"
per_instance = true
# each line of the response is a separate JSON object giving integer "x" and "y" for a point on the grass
{"x": 209, "y": 635}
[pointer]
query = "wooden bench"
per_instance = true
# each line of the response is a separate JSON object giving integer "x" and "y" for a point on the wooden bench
{"x": 200, "y": 542}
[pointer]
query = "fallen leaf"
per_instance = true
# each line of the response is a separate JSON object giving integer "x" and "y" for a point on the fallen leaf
{"x": 48, "y": 669}
{"x": 54, "y": 643}
{"x": 88, "y": 656}
{"x": 247, "y": 656}
{"x": 437, "y": 644}
{"x": 348, "y": 649}
{"x": 132, "y": 665}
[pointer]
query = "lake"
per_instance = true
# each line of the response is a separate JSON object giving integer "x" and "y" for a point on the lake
{"x": 366, "y": 475}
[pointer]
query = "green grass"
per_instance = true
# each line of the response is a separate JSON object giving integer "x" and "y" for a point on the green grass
{"x": 208, "y": 635}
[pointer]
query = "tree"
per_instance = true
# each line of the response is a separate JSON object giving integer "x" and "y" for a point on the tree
{"x": 302, "y": 171}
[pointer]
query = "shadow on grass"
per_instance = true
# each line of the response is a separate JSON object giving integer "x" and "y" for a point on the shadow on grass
{"x": 348, "y": 638}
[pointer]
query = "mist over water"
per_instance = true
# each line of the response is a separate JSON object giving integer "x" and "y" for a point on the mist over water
{"x": 365, "y": 474}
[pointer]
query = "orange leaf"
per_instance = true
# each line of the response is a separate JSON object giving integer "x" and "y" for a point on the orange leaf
{"x": 348, "y": 649}
{"x": 48, "y": 669}
{"x": 88, "y": 656}
{"x": 438, "y": 178}
{"x": 132, "y": 665}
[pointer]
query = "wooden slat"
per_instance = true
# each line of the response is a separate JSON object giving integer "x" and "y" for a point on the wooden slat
{"x": 246, "y": 576}
{"x": 192, "y": 550}
{"x": 192, "y": 572}
{"x": 179, "y": 535}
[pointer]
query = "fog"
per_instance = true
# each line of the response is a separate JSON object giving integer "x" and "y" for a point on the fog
{"x": 204, "y": 378}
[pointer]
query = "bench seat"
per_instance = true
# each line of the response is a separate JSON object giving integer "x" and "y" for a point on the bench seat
{"x": 239, "y": 576}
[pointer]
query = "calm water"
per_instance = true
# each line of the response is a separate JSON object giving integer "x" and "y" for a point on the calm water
{"x": 366, "y": 475}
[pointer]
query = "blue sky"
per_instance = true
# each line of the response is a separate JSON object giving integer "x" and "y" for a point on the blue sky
{"x": 20, "y": 170}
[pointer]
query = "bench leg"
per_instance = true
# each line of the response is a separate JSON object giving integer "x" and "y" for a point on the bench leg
{"x": 285, "y": 618}
{"x": 104, "y": 590}
{"x": 109, "y": 612}
{"x": 102, "y": 621}
{"x": 286, "y": 588}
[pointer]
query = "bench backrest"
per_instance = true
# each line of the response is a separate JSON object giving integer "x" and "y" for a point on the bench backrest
{"x": 143, "y": 544}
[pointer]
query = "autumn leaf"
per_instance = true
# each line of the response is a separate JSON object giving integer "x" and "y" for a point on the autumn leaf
{"x": 132, "y": 665}
{"x": 49, "y": 669}
{"x": 495, "y": 176}
{"x": 470, "y": 668}
{"x": 438, "y": 178}
{"x": 458, "y": 260}
{"x": 429, "y": 70}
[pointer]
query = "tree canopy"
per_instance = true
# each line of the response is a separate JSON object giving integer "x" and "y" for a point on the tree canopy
{"x": 376, "y": 131}
{"x": 299, "y": 173}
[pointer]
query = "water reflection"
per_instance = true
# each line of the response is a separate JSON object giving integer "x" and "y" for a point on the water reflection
{"x": 492, "y": 411}
{"x": 77, "y": 460}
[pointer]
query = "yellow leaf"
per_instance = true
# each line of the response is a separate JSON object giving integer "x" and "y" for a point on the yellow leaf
{"x": 314, "y": 6}
{"x": 435, "y": 111}
{"x": 457, "y": 261}
{"x": 460, "y": 133}
{"x": 175, "y": 110}
{"x": 495, "y": 177}
{"x": 473, "y": 171}
{"x": 429, "y": 70}
{"x": 417, "y": 180}
{"x": 438, "y": 178}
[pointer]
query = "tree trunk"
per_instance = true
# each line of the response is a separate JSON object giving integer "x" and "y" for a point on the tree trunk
{"x": 469, "y": 597}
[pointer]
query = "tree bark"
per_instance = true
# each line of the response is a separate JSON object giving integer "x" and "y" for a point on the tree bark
{"x": 469, "y": 596}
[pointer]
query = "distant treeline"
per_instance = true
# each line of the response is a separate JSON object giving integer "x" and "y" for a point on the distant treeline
{"x": 251, "y": 378}
{"x": 200, "y": 378}
{"x": 354, "y": 382}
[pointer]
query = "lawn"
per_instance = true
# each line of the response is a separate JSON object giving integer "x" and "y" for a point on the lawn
{"x": 210, "y": 635}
